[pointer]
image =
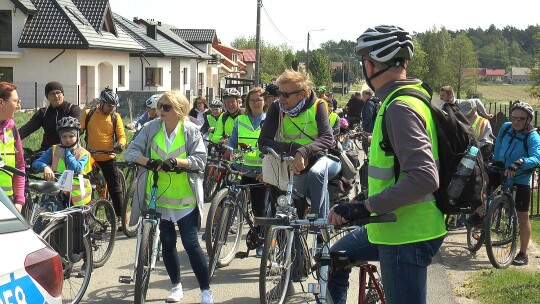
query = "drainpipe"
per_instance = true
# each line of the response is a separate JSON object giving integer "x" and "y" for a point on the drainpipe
{"x": 62, "y": 52}
{"x": 197, "y": 77}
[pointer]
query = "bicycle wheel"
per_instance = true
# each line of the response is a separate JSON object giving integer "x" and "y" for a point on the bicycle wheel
{"x": 501, "y": 231}
{"x": 76, "y": 274}
{"x": 142, "y": 272}
{"x": 275, "y": 270}
{"x": 475, "y": 237}
{"x": 102, "y": 231}
{"x": 131, "y": 185}
{"x": 212, "y": 218}
{"x": 219, "y": 237}
{"x": 121, "y": 181}
{"x": 28, "y": 206}
{"x": 211, "y": 183}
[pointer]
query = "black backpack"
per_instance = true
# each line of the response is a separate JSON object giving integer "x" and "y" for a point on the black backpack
{"x": 87, "y": 119}
{"x": 455, "y": 139}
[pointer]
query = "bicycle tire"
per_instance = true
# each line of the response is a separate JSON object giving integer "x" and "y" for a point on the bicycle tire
{"x": 219, "y": 237}
{"x": 501, "y": 231}
{"x": 275, "y": 269}
{"x": 142, "y": 272}
{"x": 102, "y": 231}
{"x": 75, "y": 281}
{"x": 212, "y": 218}
{"x": 475, "y": 237}
{"x": 131, "y": 186}
{"x": 233, "y": 234}
{"x": 212, "y": 183}
{"x": 28, "y": 206}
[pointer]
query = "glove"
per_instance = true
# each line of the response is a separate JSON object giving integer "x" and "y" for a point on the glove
{"x": 352, "y": 211}
{"x": 118, "y": 148}
{"x": 168, "y": 165}
{"x": 154, "y": 163}
{"x": 516, "y": 165}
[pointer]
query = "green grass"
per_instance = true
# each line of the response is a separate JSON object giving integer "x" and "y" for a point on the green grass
{"x": 33, "y": 142}
{"x": 507, "y": 286}
{"x": 505, "y": 92}
{"x": 535, "y": 230}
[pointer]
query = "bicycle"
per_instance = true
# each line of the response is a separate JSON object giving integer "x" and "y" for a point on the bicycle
{"x": 98, "y": 179}
{"x": 277, "y": 259}
{"x": 148, "y": 244}
{"x": 226, "y": 217}
{"x": 214, "y": 171}
{"x": 130, "y": 172}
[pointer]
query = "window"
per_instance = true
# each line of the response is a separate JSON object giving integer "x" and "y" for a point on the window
{"x": 153, "y": 77}
{"x": 6, "y": 74}
{"x": 5, "y": 31}
{"x": 201, "y": 81}
{"x": 185, "y": 75}
{"x": 235, "y": 57}
{"x": 121, "y": 75}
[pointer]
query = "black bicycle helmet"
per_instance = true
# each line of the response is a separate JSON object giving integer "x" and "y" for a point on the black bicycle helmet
{"x": 525, "y": 107}
{"x": 216, "y": 103}
{"x": 109, "y": 97}
{"x": 385, "y": 43}
{"x": 68, "y": 122}
{"x": 152, "y": 101}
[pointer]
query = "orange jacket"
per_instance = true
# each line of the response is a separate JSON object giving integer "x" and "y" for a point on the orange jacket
{"x": 100, "y": 133}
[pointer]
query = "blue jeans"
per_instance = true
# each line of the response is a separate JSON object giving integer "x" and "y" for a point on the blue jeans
{"x": 188, "y": 226}
{"x": 403, "y": 267}
{"x": 310, "y": 183}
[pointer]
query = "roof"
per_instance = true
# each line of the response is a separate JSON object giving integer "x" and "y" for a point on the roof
{"x": 196, "y": 35}
{"x": 160, "y": 46}
{"x": 249, "y": 55}
{"x": 166, "y": 31}
{"x": 25, "y": 6}
{"x": 497, "y": 72}
{"x": 225, "y": 48}
{"x": 517, "y": 71}
{"x": 75, "y": 24}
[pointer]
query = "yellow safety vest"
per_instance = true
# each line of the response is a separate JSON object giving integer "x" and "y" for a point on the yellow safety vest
{"x": 223, "y": 128}
{"x": 172, "y": 187}
{"x": 478, "y": 125}
{"x": 249, "y": 136}
{"x": 421, "y": 220}
{"x": 333, "y": 118}
{"x": 303, "y": 128}
{"x": 7, "y": 152}
{"x": 58, "y": 165}
{"x": 212, "y": 122}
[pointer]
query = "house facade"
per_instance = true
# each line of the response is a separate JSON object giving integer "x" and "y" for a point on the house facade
{"x": 75, "y": 42}
{"x": 518, "y": 75}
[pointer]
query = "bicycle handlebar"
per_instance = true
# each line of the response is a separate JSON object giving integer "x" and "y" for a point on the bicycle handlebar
{"x": 176, "y": 170}
{"x": 321, "y": 222}
{"x": 12, "y": 169}
{"x": 108, "y": 152}
{"x": 265, "y": 150}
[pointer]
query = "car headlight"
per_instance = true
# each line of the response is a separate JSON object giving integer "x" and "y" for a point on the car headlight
{"x": 282, "y": 201}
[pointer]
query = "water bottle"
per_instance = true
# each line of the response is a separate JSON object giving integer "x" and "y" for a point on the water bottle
{"x": 460, "y": 178}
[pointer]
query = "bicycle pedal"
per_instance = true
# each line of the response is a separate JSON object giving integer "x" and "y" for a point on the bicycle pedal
{"x": 314, "y": 288}
{"x": 125, "y": 279}
{"x": 241, "y": 255}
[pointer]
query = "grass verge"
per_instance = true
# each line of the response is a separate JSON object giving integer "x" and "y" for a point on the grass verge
{"x": 507, "y": 286}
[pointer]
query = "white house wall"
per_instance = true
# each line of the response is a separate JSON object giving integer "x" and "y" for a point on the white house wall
{"x": 18, "y": 20}
{"x": 137, "y": 74}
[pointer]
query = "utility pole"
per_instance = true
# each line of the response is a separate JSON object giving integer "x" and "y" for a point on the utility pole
{"x": 307, "y": 51}
{"x": 343, "y": 78}
{"x": 258, "y": 44}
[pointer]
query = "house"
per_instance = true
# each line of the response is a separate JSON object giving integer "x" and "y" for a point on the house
{"x": 493, "y": 75}
{"x": 518, "y": 75}
{"x": 248, "y": 57}
{"x": 167, "y": 64}
{"x": 75, "y": 42}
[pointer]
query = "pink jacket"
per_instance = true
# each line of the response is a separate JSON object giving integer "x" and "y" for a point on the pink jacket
{"x": 18, "y": 181}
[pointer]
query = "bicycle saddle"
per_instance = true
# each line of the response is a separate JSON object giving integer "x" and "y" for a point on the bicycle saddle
{"x": 46, "y": 187}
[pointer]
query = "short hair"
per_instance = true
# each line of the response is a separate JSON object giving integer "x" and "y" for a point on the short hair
{"x": 251, "y": 92}
{"x": 201, "y": 98}
{"x": 179, "y": 103}
{"x": 448, "y": 90}
{"x": 299, "y": 79}
{"x": 6, "y": 88}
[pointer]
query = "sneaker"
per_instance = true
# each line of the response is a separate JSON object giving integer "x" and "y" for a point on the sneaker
{"x": 175, "y": 295}
{"x": 203, "y": 237}
{"x": 206, "y": 297}
{"x": 259, "y": 251}
{"x": 521, "y": 259}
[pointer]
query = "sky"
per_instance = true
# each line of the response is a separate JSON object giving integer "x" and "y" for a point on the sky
{"x": 288, "y": 21}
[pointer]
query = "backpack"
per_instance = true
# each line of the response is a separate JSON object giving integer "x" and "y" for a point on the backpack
{"x": 87, "y": 119}
{"x": 454, "y": 140}
{"x": 525, "y": 140}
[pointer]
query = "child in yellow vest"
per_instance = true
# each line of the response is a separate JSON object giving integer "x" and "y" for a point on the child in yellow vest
{"x": 69, "y": 155}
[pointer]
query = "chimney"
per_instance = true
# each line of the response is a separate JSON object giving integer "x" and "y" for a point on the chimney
{"x": 159, "y": 23}
{"x": 151, "y": 31}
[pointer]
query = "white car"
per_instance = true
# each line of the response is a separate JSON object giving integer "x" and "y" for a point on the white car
{"x": 30, "y": 271}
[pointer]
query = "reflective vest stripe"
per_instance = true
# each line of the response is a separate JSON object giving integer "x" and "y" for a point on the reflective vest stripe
{"x": 303, "y": 128}
{"x": 248, "y": 135}
{"x": 164, "y": 155}
{"x": 7, "y": 189}
{"x": 478, "y": 129}
{"x": 385, "y": 173}
{"x": 58, "y": 165}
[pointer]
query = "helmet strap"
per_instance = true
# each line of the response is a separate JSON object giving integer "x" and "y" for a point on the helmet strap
{"x": 376, "y": 74}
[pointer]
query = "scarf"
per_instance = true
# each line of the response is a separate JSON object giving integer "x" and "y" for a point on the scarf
{"x": 295, "y": 111}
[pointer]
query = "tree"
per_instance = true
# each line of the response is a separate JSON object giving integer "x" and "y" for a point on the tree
{"x": 435, "y": 44}
{"x": 534, "y": 90}
{"x": 418, "y": 67}
{"x": 318, "y": 68}
{"x": 464, "y": 64}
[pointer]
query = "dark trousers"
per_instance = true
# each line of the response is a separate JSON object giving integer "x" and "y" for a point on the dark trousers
{"x": 115, "y": 190}
{"x": 258, "y": 196}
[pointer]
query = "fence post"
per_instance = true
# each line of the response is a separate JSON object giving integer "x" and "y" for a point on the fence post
{"x": 35, "y": 95}
{"x": 78, "y": 95}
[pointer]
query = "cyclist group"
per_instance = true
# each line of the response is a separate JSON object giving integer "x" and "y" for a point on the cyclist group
{"x": 289, "y": 118}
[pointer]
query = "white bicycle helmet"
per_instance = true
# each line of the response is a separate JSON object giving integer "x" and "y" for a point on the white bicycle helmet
{"x": 68, "y": 122}
{"x": 152, "y": 101}
{"x": 216, "y": 103}
{"x": 231, "y": 92}
{"x": 525, "y": 107}
{"x": 385, "y": 43}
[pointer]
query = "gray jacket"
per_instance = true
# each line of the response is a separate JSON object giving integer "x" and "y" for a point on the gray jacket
{"x": 196, "y": 156}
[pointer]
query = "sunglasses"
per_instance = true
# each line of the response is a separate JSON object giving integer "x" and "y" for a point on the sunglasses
{"x": 165, "y": 107}
{"x": 515, "y": 118}
{"x": 287, "y": 95}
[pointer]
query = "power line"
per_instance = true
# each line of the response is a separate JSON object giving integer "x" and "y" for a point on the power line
{"x": 276, "y": 28}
